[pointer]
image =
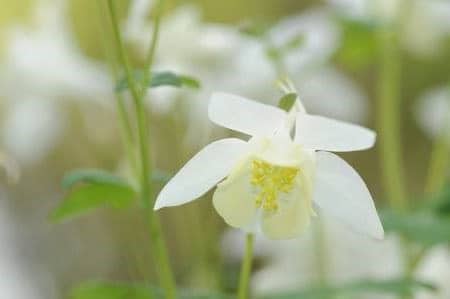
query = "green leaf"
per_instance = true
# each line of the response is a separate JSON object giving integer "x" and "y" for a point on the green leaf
{"x": 90, "y": 176}
{"x": 422, "y": 227}
{"x": 91, "y": 196}
{"x": 287, "y": 101}
{"x": 109, "y": 290}
{"x": 394, "y": 287}
{"x": 164, "y": 78}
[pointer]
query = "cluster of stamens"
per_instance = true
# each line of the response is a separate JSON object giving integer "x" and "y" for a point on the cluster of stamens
{"x": 271, "y": 180}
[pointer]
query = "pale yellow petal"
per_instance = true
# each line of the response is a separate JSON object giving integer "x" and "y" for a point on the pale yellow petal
{"x": 294, "y": 210}
{"x": 234, "y": 198}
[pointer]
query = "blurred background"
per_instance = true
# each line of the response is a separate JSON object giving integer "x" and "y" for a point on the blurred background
{"x": 58, "y": 113}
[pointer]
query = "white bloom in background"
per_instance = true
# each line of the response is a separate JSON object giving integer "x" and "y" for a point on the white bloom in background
{"x": 318, "y": 34}
{"x": 329, "y": 92}
{"x": 20, "y": 278}
{"x": 293, "y": 264}
{"x": 32, "y": 128}
{"x": 42, "y": 68}
{"x": 272, "y": 180}
{"x": 426, "y": 23}
{"x": 10, "y": 167}
{"x": 433, "y": 112}
{"x": 44, "y": 60}
{"x": 318, "y": 38}
{"x": 435, "y": 268}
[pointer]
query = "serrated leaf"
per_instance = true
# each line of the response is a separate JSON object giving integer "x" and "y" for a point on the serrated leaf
{"x": 109, "y": 290}
{"x": 164, "y": 78}
{"x": 91, "y": 196}
{"x": 422, "y": 227}
{"x": 287, "y": 101}
{"x": 395, "y": 287}
{"x": 90, "y": 176}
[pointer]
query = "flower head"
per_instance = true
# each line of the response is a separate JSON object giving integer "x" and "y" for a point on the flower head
{"x": 272, "y": 181}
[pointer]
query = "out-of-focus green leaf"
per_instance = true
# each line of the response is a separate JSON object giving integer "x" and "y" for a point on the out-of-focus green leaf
{"x": 110, "y": 290}
{"x": 423, "y": 227}
{"x": 440, "y": 203}
{"x": 164, "y": 78}
{"x": 359, "y": 42}
{"x": 91, "y": 196}
{"x": 256, "y": 29}
{"x": 395, "y": 287}
{"x": 287, "y": 101}
{"x": 294, "y": 43}
{"x": 90, "y": 176}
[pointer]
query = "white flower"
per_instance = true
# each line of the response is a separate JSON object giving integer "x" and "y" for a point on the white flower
{"x": 433, "y": 112}
{"x": 271, "y": 181}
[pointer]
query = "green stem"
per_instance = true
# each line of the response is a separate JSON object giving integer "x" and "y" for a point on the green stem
{"x": 246, "y": 268}
{"x": 389, "y": 101}
{"x": 146, "y": 192}
{"x": 124, "y": 121}
{"x": 440, "y": 160}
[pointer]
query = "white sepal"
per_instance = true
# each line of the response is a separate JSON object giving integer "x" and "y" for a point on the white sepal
{"x": 322, "y": 133}
{"x": 341, "y": 193}
{"x": 208, "y": 167}
{"x": 243, "y": 115}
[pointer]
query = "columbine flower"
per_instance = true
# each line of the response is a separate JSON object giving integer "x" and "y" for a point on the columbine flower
{"x": 271, "y": 181}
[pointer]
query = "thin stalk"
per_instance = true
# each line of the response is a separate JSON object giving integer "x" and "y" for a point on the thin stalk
{"x": 440, "y": 160}
{"x": 124, "y": 121}
{"x": 246, "y": 268}
{"x": 154, "y": 225}
{"x": 389, "y": 101}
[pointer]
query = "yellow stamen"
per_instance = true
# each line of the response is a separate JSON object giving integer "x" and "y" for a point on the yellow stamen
{"x": 271, "y": 180}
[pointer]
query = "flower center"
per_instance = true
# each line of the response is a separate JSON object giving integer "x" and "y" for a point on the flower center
{"x": 271, "y": 180}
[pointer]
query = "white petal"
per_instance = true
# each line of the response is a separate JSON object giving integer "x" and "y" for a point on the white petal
{"x": 340, "y": 192}
{"x": 243, "y": 115}
{"x": 321, "y": 133}
{"x": 202, "y": 172}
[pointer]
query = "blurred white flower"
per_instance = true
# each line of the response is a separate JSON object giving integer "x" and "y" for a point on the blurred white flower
{"x": 42, "y": 67}
{"x": 270, "y": 181}
{"x": 433, "y": 112}
{"x": 318, "y": 38}
{"x": 426, "y": 22}
{"x": 20, "y": 278}
{"x": 293, "y": 264}
{"x": 32, "y": 128}
{"x": 44, "y": 60}
{"x": 11, "y": 169}
{"x": 329, "y": 92}
{"x": 435, "y": 268}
